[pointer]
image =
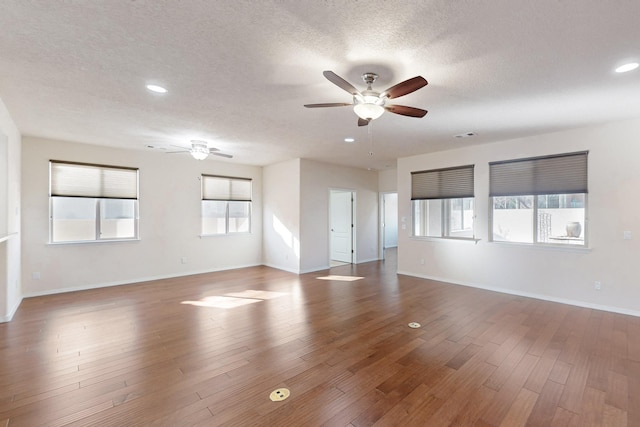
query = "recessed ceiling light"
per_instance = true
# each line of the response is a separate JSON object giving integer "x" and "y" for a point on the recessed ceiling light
{"x": 627, "y": 67}
{"x": 157, "y": 89}
{"x": 349, "y": 140}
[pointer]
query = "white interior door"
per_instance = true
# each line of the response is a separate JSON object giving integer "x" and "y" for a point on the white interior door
{"x": 341, "y": 226}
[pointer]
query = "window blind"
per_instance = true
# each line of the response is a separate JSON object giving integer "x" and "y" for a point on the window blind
{"x": 87, "y": 180}
{"x": 226, "y": 188}
{"x": 448, "y": 183}
{"x": 557, "y": 174}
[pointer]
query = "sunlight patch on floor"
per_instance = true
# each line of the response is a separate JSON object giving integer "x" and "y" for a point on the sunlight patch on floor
{"x": 256, "y": 294}
{"x": 235, "y": 299}
{"x": 340, "y": 278}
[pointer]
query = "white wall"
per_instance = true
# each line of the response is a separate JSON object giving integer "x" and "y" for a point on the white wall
{"x": 388, "y": 181}
{"x": 4, "y": 185}
{"x": 281, "y": 220}
{"x": 169, "y": 222}
{"x": 316, "y": 180}
{"x": 565, "y": 275}
{"x": 10, "y": 280}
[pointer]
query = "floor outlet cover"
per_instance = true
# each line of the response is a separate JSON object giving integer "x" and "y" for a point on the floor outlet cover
{"x": 414, "y": 325}
{"x": 279, "y": 394}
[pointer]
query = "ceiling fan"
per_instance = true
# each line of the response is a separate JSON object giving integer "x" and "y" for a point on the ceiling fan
{"x": 200, "y": 150}
{"x": 370, "y": 104}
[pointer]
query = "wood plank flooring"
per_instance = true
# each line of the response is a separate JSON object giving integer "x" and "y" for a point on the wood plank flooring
{"x": 209, "y": 349}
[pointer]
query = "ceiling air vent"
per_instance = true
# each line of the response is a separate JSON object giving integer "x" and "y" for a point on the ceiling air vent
{"x": 465, "y": 135}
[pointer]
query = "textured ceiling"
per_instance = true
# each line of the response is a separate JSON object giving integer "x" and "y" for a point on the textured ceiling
{"x": 238, "y": 72}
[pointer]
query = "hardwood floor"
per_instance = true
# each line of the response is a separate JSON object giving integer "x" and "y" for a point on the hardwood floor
{"x": 209, "y": 349}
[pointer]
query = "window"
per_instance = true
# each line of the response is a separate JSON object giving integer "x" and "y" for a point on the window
{"x": 443, "y": 202}
{"x": 540, "y": 200}
{"x": 226, "y": 205}
{"x": 92, "y": 202}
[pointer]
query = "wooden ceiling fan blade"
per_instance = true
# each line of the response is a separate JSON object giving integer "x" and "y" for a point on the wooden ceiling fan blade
{"x": 363, "y": 122}
{"x": 403, "y": 110}
{"x": 340, "y": 82}
{"x": 227, "y": 156}
{"x": 405, "y": 87}
{"x": 330, "y": 104}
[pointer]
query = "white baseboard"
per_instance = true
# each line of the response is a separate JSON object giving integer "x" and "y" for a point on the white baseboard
{"x": 150, "y": 278}
{"x": 543, "y": 297}
{"x": 279, "y": 267}
{"x": 314, "y": 269}
{"x": 12, "y": 312}
{"x": 130, "y": 281}
{"x": 362, "y": 261}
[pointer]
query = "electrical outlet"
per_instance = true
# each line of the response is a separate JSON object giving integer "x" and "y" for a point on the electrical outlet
{"x": 35, "y": 275}
{"x": 183, "y": 260}
{"x": 597, "y": 285}
{"x": 421, "y": 261}
{"x": 626, "y": 235}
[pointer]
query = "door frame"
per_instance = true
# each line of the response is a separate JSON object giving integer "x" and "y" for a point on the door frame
{"x": 353, "y": 221}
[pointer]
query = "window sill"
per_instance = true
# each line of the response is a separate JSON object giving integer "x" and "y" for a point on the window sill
{"x": 546, "y": 247}
{"x": 6, "y": 237}
{"x": 206, "y": 236}
{"x": 86, "y": 242}
{"x": 445, "y": 239}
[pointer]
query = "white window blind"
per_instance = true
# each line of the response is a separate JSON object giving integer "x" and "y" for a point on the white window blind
{"x": 448, "y": 183}
{"x": 96, "y": 181}
{"x": 557, "y": 174}
{"x": 226, "y": 188}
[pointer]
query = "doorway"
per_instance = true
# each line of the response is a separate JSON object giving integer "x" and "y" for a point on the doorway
{"x": 341, "y": 226}
{"x": 389, "y": 223}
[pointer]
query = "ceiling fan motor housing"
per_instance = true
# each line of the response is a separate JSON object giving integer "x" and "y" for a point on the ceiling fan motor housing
{"x": 369, "y": 78}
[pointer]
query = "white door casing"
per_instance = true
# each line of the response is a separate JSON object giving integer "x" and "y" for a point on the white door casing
{"x": 341, "y": 226}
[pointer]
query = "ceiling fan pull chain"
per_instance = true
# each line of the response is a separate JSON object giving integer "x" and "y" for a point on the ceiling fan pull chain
{"x": 370, "y": 131}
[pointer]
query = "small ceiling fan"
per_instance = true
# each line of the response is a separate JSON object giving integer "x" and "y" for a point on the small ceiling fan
{"x": 200, "y": 150}
{"x": 370, "y": 104}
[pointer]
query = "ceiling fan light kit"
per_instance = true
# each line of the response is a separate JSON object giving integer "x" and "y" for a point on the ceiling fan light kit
{"x": 369, "y": 104}
{"x": 199, "y": 150}
{"x": 368, "y": 110}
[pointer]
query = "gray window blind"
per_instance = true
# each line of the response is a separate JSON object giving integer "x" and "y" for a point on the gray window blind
{"x": 87, "y": 180}
{"x": 449, "y": 183}
{"x": 226, "y": 188}
{"x": 558, "y": 174}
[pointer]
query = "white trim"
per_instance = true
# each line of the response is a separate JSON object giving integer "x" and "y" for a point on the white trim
{"x": 576, "y": 303}
{"x": 362, "y": 261}
{"x": 314, "y": 269}
{"x": 88, "y": 242}
{"x": 445, "y": 239}
{"x": 7, "y": 237}
{"x": 544, "y": 246}
{"x": 131, "y": 281}
{"x": 12, "y": 312}
{"x": 279, "y": 267}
